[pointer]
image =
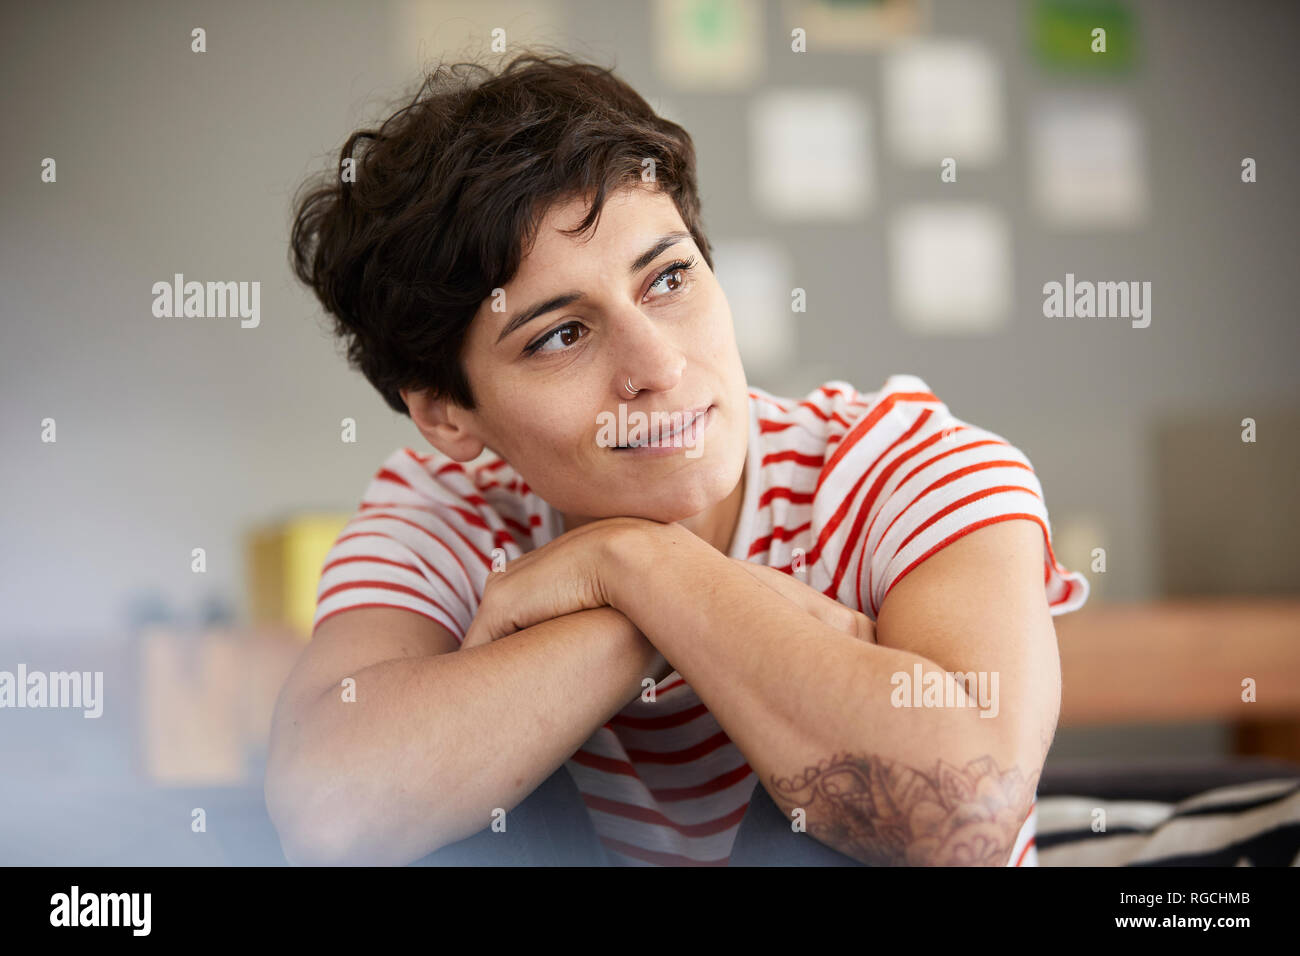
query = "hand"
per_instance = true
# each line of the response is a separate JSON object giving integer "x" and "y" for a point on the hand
{"x": 825, "y": 609}
{"x": 561, "y": 577}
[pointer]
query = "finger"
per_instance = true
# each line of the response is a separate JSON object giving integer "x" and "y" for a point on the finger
{"x": 475, "y": 636}
{"x": 540, "y": 590}
{"x": 866, "y": 628}
{"x": 513, "y": 598}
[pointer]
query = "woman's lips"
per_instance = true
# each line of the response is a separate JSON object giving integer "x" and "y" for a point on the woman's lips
{"x": 667, "y": 444}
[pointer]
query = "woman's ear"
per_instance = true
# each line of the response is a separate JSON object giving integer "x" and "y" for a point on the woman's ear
{"x": 446, "y": 426}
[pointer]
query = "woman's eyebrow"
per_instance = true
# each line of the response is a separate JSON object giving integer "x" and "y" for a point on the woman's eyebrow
{"x": 566, "y": 298}
{"x": 662, "y": 243}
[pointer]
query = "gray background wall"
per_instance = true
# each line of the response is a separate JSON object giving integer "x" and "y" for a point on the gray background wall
{"x": 174, "y": 434}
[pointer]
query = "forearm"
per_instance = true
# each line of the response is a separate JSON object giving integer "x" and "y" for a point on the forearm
{"x": 432, "y": 745}
{"x": 811, "y": 710}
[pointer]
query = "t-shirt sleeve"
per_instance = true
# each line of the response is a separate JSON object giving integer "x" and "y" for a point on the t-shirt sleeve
{"x": 405, "y": 548}
{"x": 910, "y": 479}
{"x": 374, "y": 563}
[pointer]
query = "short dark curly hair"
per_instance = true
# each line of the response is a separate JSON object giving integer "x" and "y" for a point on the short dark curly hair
{"x": 447, "y": 198}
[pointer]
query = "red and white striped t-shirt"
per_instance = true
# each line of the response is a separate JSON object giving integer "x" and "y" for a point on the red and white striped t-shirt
{"x": 868, "y": 485}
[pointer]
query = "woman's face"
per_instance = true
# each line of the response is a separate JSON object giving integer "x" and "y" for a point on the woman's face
{"x": 619, "y": 304}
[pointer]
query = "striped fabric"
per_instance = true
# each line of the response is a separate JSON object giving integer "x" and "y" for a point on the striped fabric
{"x": 865, "y": 485}
{"x": 1247, "y": 824}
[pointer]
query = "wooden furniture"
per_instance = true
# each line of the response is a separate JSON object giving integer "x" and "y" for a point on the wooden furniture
{"x": 1185, "y": 660}
{"x": 205, "y": 701}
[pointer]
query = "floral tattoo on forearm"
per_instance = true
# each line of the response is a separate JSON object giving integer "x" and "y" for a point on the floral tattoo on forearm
{"x": 884, "y": 813}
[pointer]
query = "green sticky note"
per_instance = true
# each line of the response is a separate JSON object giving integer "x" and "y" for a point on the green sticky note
{"x": 715, "y": 22}
{"x": 1062, "y": 34}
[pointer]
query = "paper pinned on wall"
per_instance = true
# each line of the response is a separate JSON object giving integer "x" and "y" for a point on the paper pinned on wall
{"x": 943, "y": 98}
{"x": 421, "y": 32}
{"x": 950, "y": 268}
{"x": 1088, "y": 161}
{"x": 708, "y": 44}
{"x": 1084, "y": 36}
{"x": 811, "y": 154}
{"x": 757, "y": 277}
{"x": 854, "y": 25}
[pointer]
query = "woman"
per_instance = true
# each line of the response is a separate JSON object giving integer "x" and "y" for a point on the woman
{"x": 625, "y": 600}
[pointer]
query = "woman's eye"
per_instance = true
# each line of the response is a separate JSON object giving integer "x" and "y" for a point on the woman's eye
{"x": 668, "y": 275}
{"x": 566, "y": 335}
{"x": 556, "y": 335}
{"x": 679, "y": 269}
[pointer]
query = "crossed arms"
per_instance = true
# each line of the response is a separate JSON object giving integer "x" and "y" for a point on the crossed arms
{"x": 805, "y": 688}
{"x": 814, "y": 710}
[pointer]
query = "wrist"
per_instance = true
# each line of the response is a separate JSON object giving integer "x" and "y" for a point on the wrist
{"x": 628, "y": 551}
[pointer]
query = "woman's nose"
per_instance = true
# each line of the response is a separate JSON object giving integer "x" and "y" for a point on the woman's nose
{"x": 649, "y": 355}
